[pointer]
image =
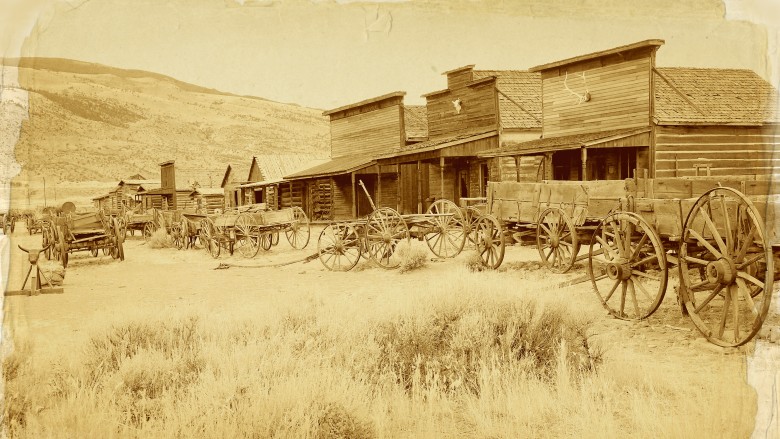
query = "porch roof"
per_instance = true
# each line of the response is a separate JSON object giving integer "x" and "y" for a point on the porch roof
{"x": 602, "y": 139}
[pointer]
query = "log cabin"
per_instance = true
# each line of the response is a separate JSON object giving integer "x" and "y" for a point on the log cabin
{"x": 478, "y": 111}
{"x": 174, "y": 191}
{"x": 207, "y": 199}
{"x": 359, "y": 132}
{"x": 613, "y": 115}
{"x": 266, "y": 178}
{"x": 235, "y": 175}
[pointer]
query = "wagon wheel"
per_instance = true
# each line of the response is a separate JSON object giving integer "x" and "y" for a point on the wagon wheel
{"x": 385, "y": 229}
{"x": 94, "y": 252}
{"x": 339, "y": 247}
{"x": 149, "y": 230}
{"x": 63, "y": 251}
{"x": 55, "y": 244}
{"x": 176, "y": 236}
{"x": 471, "y": 215}
{"x": 119, "y": 239}
{"x": 490, "y": 241}
{"x": 122, "y": 227}
{"x": 299, "y": 231}
{"x": 266, "y": 240}
{"x": 274, "y": 238}
{"x": 725, "y": 232}
{"x": 208, "y": 237}
{"x": 556, "y": 240}
{"x": 248, "y": 244}
{"x": 46, "y": 243}
{"x": 447, "y": 237}
{"x": 626, "y": 254}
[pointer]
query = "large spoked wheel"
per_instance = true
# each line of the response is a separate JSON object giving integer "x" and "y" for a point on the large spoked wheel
{"x": 447, "y": 236}
{"x": 274, "y": 239}
{"x": 385, "y": 229}
{"x": 55, "y": 241}
{"x": 726, "y": 267}
{"x": 209, "y": 238}
{"x": 556, "y": 240}
{"x": 47, "y": 242}
{"x": 148, "y": 231}
{"x": 186, "y": 233}
{"x": 266, "y": 241}
{"x": 471, "y": 215}
{"x": 176, "y": 235}
{"x": 63, "y": 251}
{"x": 339, "y": 247}
{"x": 490, "y": 241}
{"x": 94, "y": 252}
{"x": 248, "y": 243}
{"x": 299, "y": 231}
{"x": 627, "y": 266}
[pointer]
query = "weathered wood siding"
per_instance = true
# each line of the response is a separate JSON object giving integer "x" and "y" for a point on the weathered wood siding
{"x": 503, "y": 169}
{"x": 619, "y": 89}
{"x": 320, "y": 199}
{"x": 372, "y": 129}
{"x": 728, "y": 150}
{"x": 478, "y": 110}
{"x": 388, "y": 193}
{"x": 167, "y": 176}
{"x": 254, "y": 173}
{"x": 435, "y": 186}
{"x": 342, "y": 197}
{"x": 459, "y": 79}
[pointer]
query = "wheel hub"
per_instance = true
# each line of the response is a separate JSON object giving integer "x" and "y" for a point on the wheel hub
{"x": 619, "y": 270}
{"x": 723, "y": 271}
{"x": 554, "y": 240}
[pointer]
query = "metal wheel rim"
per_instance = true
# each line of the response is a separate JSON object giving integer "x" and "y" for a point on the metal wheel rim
{"x": 731, "y": 304}
{"x": 620, "y": 262}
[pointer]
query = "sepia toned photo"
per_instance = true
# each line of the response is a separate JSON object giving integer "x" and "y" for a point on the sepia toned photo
{"x": 389, "y": 219}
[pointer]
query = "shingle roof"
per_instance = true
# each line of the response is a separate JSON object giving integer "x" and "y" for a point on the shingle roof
{"x": 519, "y": 97}
{"x": 416, "y": 121}
{"x": 713, "y": 96}
{"x": 239, "y": 172}
{"x": 440, "y": 143}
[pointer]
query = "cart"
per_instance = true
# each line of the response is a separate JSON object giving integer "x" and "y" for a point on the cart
{"x": 33, "y": 223}
{"x": 377, "y": 236}
{"x": 249, "y": 229}
{"x": 90, "y": 232}
{"x": 720, "y": 233}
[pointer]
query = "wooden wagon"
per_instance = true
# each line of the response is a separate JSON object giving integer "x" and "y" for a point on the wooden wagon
{"x": 377, "y": 236}
{"x": 92, "y": 232}
{"x": 33, "y": 223}
{"x": 248, "y": 230}
{"x": 721, "y": 234}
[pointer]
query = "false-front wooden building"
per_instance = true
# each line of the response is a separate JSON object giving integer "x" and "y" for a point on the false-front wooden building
{"x": 359, "y": 133}
{"x": 478, "y": 111}
{"x": 609, "y": 114}
{"x": 174, "y": 192}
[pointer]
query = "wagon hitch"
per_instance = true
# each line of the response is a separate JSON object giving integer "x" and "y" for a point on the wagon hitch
{"x": 225, "y": 265}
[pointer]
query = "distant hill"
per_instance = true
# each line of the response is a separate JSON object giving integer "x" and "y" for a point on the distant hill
{"x": 89, "y": 122}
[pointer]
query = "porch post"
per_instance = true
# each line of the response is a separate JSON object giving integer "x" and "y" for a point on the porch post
{"x": 354, "y": 196}
{"x": 378, "y": 185}
{"x": 441, "y": 177}
{"x": 584, "y": 159}
{"x": 419, "y": 187}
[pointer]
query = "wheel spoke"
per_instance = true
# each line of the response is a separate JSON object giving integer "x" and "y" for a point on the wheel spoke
{"x": 742, "y": 286}
{"x": 633, "y": 298}
{"x": 729, "y": 239}
{"x": 704, "y": 243}
{"x": 697, "y": 260}
{"x": 646, "y": 260}
{"x": 643, "y": 274}
{"x": 735, "y": 301}
{"x": 709, "y": 298}
{"x": 724, "y": 315}
{"x": 750, "y": 279}
{"x": 612, "y": 290}
{"x": 710, "y": 225}
{"x": 642, "y": 289}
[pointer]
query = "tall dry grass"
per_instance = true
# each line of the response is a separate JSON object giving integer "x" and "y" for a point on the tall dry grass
{"x": 474, "y": 358}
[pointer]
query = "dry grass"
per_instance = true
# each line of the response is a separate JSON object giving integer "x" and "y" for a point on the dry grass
{"x": 160, "y": 239}
{"x": 412, "y": 258}
{"x": 472, "y": 358}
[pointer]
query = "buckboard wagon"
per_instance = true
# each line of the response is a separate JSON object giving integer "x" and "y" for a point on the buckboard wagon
{"x": 376, "y": 237}
{"x": 721, "y": 233}
{"x": 253, "y": 228}
{"x": 92, "y": 231}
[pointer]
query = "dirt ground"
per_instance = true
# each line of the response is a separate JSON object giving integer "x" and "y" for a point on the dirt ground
{"x": 152, "y": 281}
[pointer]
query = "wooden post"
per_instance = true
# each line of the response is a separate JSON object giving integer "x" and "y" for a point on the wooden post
{"x": 378, "y": 200}
{"x": 289, "y": 185}
{"x": 354, "y": 197}
{"x": 441, "y": 177}
{"x": 399, "y": 188}
{"x": 419, "y": 187}
{"x": 584, "y": 159}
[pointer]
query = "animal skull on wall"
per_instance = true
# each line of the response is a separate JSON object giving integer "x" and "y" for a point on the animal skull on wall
{"x": 458, "y": 104}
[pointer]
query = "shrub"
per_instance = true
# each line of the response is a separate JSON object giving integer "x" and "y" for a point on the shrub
{"x": 411, "y": 258}
{"x": 160, "y": 239}
{"x": 474, "y": 262}
{"x": 335, "y": 422}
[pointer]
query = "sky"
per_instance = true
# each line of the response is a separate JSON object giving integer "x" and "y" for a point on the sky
{"x": 325, "y": 54}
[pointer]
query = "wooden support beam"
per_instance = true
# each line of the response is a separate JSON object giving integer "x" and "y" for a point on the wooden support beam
{"x": 584, "y": 159}
{"x": 378, "y": 200}
{"x": 419, "y": 187}
{"x": 354, "y": 196}
{"x": 441, "y": 177}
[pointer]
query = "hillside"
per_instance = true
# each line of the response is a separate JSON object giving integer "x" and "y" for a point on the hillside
{"x": 89, "y": 122}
